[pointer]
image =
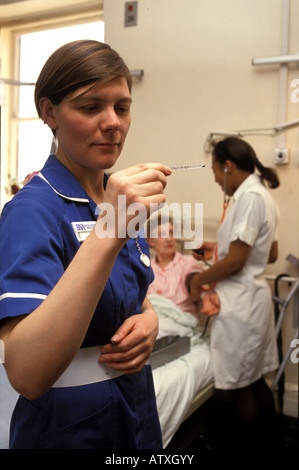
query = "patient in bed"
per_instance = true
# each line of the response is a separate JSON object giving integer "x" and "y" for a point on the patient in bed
{"x": 172, "y": 269}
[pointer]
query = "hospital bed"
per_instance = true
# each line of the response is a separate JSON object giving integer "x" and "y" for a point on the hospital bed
{"x": 183, "y": 384}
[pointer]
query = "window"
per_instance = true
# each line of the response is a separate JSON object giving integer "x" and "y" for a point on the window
{"x": 34, "y": 138}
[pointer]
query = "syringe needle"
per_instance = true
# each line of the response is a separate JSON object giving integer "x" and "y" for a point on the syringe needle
{"x": 187, "y": 167}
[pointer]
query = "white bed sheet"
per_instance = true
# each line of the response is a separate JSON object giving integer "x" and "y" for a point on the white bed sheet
{"x": 179, "y": 381}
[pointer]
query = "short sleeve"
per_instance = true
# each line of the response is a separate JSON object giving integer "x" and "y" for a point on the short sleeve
{"x": 31, "y": 256}
{"x": 249, "y": 215}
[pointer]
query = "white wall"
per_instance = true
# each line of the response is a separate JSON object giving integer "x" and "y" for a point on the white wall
{"x": 196, "y": 56}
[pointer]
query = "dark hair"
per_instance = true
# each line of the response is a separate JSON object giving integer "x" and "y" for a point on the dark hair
{"x": 77, "y": 64}
{"x": 243, "y": 155}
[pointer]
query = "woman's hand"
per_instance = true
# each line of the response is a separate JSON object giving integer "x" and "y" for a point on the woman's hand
{"x": 137, "y": 188}
{"x": 208, "y": 250}
{"x": 132, "y": 343}
{"x": 210, "y": 304}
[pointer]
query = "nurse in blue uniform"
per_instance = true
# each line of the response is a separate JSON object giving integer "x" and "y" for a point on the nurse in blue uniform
{"x": 74, "y": 317}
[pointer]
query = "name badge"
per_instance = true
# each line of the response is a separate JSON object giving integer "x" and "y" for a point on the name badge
{"x": 82, "y": 229}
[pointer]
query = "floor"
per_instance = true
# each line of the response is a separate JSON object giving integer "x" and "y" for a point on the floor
{"x": 212, "y": 427}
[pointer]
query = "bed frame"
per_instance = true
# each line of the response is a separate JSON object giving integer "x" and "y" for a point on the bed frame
{"x": 200, "y": 398}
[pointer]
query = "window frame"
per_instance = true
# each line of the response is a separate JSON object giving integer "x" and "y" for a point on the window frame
{"x": 10, "y": 69}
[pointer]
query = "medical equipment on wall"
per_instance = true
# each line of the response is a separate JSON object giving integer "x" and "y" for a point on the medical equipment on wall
{"x": 266, "y": 131}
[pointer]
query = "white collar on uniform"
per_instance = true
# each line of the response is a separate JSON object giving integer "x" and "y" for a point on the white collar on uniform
{"x": 251, "y": 181}
{"x": 76, "y": 199}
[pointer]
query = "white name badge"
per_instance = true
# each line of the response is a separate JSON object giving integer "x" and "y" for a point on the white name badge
{"x": 82, "y": 229}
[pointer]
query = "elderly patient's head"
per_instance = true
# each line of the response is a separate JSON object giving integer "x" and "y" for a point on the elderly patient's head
{"x": 161, "y": 238}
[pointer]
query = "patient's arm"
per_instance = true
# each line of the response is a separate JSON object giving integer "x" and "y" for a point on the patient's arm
{"x": 210, "y": 304}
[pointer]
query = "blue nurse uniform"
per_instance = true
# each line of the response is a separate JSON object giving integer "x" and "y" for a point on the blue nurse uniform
{"x": 40, "y": 231}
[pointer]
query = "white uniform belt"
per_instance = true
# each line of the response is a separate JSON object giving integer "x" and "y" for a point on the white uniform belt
{"x": 86, "y": 369}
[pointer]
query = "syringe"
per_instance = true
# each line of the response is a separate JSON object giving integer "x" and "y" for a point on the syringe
{"x": 187, "y": 167}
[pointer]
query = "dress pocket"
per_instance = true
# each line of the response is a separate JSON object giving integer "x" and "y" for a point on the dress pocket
{"x": 93, "y": 432}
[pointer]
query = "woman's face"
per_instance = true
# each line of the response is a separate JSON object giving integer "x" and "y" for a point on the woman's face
{"x": 91, "y": 128}
{"x": 221, "y": 176}
{"x": 164, "y": 243}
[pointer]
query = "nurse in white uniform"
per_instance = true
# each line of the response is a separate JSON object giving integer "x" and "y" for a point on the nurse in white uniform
{"x": 243, "y": 341}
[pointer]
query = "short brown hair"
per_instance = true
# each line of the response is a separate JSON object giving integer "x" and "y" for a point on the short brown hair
{"x": 77, "y": 64}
